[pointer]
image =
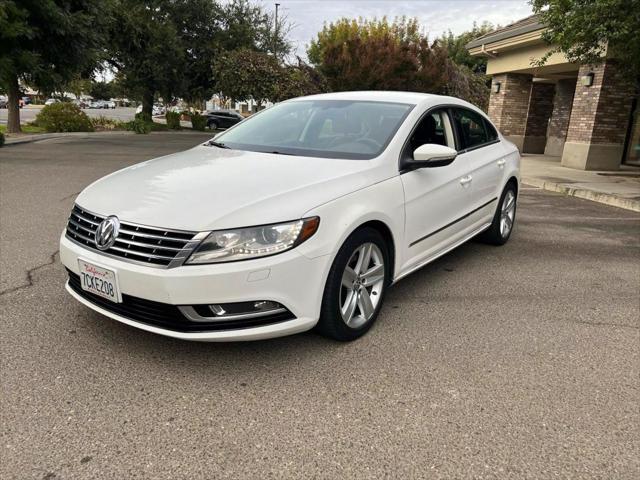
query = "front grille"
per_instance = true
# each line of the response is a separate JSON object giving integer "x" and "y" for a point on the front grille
{"x": 151, "y": 246}
{"x": 169, "y": 317}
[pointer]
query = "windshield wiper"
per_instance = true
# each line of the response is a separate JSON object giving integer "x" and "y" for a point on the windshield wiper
{"x": 213, "y": 143}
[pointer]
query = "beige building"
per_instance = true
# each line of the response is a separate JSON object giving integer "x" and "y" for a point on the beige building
{"x": 585, "y": 114}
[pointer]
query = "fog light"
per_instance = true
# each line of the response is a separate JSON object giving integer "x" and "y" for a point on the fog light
{"x": 265, "y": 305}
{"x": 238, "y": 309}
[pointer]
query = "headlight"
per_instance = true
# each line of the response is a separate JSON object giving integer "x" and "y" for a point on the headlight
{"x": 253, "y": 242}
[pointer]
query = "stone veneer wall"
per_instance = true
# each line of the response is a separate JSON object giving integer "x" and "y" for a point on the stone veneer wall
{"x": 599, "y": 119}
{"x": 508, "y": 108}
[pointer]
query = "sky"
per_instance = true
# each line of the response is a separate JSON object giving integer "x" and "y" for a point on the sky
{"x": 435, "y": 16}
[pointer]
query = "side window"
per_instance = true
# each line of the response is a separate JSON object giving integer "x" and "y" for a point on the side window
{"x": 433, "y": 128}
{"x": 472, "y": 128}
{"x": 491, "y": 131}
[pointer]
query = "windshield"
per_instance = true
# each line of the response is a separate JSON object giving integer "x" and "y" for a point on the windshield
{"x": 319, "y": 128}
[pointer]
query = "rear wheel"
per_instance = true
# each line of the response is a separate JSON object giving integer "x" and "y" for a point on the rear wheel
{"x": 212, "y": 125}
{"x": 356, "y": 285}
{"x": 503, "y": 220}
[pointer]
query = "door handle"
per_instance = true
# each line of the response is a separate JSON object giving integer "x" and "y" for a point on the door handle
{"x": 466, "y": 180}
{"x": 501, "y": 162}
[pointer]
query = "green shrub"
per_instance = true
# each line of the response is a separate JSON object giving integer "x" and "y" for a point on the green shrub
{"x": 138, "y": 126}
{"x": 63, "y": 117}
{"x": 1, "y": 139}
{"x": 198, "y": 122}
{"x": 143, "y": 116}
{"x": 104, "y": 123}
{"x": 173, "y": 120}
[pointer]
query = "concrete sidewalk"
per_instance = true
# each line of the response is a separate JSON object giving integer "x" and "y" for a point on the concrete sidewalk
{"x": 619, "y": 189}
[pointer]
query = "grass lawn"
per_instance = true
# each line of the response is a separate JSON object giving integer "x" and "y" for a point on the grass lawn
{"x": 25, "y": 129}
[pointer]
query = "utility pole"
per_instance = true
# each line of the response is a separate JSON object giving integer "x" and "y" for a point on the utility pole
{"x": 275, "y": 40}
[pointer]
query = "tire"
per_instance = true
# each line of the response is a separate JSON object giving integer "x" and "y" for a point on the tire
{"x": 498, "y": 233}
{"x": 212, "y": 125}
{"x": 364, "y": 307}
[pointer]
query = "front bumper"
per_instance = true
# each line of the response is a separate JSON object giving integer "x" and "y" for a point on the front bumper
{"x": 291, "y": 279}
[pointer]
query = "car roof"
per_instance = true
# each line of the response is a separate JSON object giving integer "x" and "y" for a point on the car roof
{"x": 427, "y": 100}
{"x": 413, "y": 98}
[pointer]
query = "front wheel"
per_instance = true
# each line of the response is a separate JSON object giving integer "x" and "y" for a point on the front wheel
{"x": 356, "y": 285}
{"x": 212, "y": 125}
{"x": 503, "y": 220}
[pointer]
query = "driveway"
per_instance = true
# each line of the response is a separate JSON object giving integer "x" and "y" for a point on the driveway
{"x": 512, "y": 362}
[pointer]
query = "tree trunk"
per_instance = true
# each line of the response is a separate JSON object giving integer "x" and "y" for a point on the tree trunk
{"x": 147, "y": 105}
{"x": 13, "y": 106}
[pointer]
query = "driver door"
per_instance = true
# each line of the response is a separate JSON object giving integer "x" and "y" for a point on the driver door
{"x": 437, "y": 198}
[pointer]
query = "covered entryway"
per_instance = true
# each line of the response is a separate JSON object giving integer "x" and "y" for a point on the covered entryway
{"x": 581, "y": 113}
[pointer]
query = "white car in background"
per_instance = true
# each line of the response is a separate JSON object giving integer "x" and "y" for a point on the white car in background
{"x": 156, "y": 111}
{"x": 301, "y": 216}
{"x": 51, "y": 101}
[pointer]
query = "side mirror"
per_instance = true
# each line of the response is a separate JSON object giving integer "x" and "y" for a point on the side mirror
{"x": 430, "y": 155}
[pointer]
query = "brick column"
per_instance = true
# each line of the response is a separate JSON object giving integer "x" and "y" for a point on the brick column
{"x": 599, "y": 118}
{"x": 508, "y": 108}
{"x": 559, "y": 123}
{"x": 540, "y": 108}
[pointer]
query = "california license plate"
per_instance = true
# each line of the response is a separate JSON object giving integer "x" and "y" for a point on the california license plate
{"x": 99, "y": 281}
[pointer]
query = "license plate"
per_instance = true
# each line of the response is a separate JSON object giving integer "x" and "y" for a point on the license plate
{"x": 99, "y": 280}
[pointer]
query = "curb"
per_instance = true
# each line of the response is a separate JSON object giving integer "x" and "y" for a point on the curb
{"x": 45, "y": 136}
{"x": 605, "y": 198}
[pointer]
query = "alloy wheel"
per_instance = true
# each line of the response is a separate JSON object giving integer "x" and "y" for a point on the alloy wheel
{"x": 362, "y": 282}
{"x": 507, "y": 214}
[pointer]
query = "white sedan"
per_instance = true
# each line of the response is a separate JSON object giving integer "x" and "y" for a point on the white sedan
{"x": 301, "y": 216}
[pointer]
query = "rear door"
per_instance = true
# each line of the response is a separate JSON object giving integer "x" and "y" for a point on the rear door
{"x": 481, "y": 152}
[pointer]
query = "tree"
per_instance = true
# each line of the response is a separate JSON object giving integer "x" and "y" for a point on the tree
{"x": 382, "y": 55}
{"x": 586, "y": 30}
{"x": 102, "y": 90}
{"x": 456, "y": 46}
{"x": 146, "y": 51}
{"x": 245, "y": 74}
{"x": 167, "y": 47}
{"x": 45, "y": 43}
{"x": 299, "y": 80}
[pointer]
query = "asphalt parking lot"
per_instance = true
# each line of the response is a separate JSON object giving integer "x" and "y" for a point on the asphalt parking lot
{"x": 512, "y": 362}
{"x": 29, "y": 113}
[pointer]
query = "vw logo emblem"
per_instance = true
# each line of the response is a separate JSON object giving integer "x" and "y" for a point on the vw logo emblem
{"x": 107, "y": 232}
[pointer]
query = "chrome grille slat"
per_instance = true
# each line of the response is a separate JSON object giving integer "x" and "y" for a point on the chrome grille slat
{"x": 140, "y": 254}
{"x": 135, "y": 243}
{"x": 77, "y": 225}
{"x": 147, "y": 245}
{"x": 149, "y": 235}
{"x": 85, "y": 219}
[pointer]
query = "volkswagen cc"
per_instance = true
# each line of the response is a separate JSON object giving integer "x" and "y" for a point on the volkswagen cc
{"x": 301, "y": 216}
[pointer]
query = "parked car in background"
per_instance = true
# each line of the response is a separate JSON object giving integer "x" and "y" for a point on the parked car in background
{"x": 302, "y": 216}
{"x": 3, "y": 101}
{"x": 80, "y": 103}
{"x": 26, "y": 100}
{"x": 222, "y": 118}
{"x": 157, "y": 110}
{"x": 51, "y": 101}
{"x": 109, "y": 104}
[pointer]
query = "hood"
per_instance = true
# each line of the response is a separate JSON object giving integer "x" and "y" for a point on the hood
{"x": 209, "y": 188}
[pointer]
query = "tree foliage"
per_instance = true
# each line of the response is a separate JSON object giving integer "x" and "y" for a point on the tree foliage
{"x": 245, "y": 74}
{"x": 382, "y": 55}
{"x": 586, "y": 30}
{"x": 456, "y": 46}
{"x": 45, "y": 43}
